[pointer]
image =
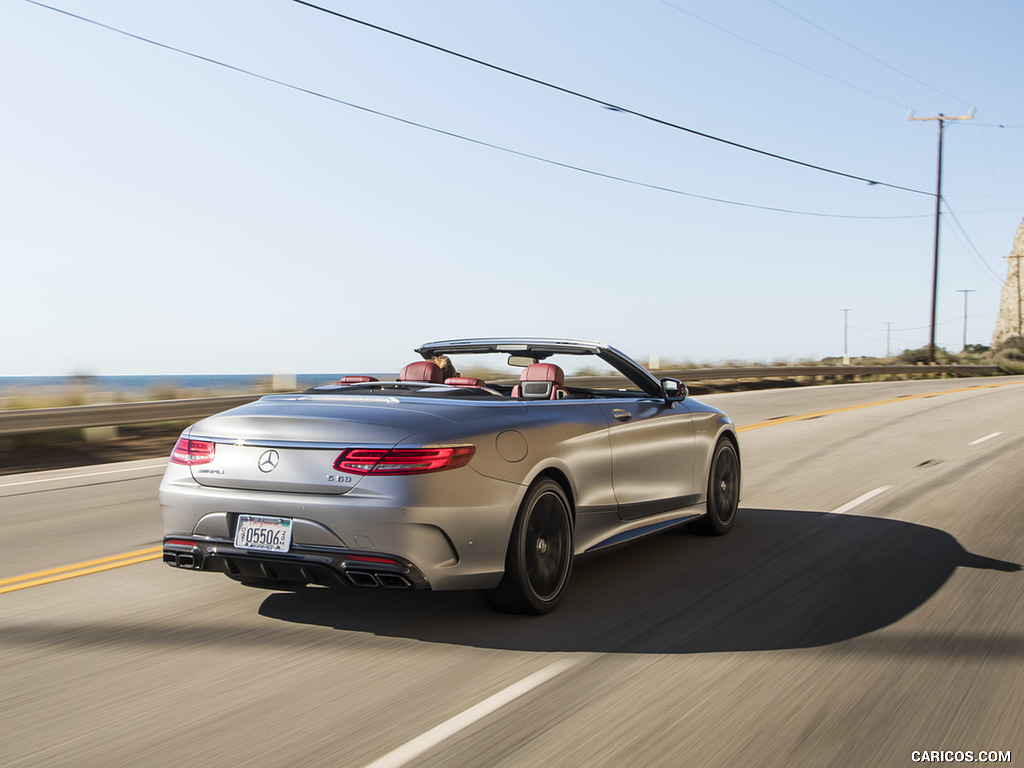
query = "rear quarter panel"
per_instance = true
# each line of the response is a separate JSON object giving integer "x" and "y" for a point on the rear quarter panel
{"x": 517, "y": 442}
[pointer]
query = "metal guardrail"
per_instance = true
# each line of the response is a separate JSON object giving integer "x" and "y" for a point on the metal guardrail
{"x": 826, "y": 371}
{"x": 116, "y": 414}
{"x": 121, "y": 414}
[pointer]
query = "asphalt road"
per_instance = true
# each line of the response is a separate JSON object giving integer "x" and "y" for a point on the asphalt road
{"x": 868, "y": 606}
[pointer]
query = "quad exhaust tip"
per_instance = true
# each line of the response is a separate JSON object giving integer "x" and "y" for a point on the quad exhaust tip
{"x": 181, "y": 559}
{"x": 386, "y": 580}
{"x": 393, "y": 581}
{"x": 359, "y": 578}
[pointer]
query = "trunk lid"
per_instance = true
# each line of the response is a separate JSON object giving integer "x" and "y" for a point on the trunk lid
{"x": 290, "y": 442}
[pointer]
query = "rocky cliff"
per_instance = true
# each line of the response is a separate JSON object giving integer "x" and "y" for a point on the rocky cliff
{"x": 1009, "y": 322}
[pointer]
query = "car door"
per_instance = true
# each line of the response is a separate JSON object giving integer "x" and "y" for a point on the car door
{"x": 652, "y": 451}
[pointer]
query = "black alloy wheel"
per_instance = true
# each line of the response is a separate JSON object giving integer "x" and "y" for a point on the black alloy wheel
{"x": 539, "y": 558}
{"x": 723, "y": 491}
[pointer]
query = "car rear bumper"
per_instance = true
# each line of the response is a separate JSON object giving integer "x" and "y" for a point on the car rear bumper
{"x": 431, "y": 542}
{"x": 321, "y": 565}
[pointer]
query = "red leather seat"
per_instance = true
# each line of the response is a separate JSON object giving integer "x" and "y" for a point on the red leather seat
{"x": 464, "y": 381}
{"x": 541, "y": 381}
{"x": 422, "y": 371}
{"x": 355, "y": 379}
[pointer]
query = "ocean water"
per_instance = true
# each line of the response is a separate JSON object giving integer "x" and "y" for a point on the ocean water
{"x": 134, "y": 386}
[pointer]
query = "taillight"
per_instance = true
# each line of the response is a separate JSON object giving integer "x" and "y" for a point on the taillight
{"x": 368, "y": 559}
{"x": 402, "y": 461}
{"x": 189, "y": 452}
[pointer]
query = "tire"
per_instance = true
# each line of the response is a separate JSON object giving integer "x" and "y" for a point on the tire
{"x": 723, "y": 492}
{"x": 540, "y": 552}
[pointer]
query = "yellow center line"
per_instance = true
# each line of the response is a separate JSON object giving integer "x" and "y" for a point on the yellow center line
{"x": 844, "y": 409}
{"x": 78, "y": 569}
{"x": 152, "y": 553}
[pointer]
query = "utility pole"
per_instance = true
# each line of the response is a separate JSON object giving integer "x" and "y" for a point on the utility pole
{"x": 965, "y": 291}
{"x": 1020, "y": 317}
{"x": 941, "y": 119}
{"x": 846, "y": 325}
{"x": 1020, "y": 296}
{"x": 888, "y": 335}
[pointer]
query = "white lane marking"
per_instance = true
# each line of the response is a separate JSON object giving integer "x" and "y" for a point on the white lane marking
{"x": 859, "y": 500}
{"x": 413, "y": 749}
{"x": 986, "y": 437}
{"x": 55, "y": 478}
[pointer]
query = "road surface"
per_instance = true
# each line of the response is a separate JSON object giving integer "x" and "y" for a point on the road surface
{"x": 868, "y": 606}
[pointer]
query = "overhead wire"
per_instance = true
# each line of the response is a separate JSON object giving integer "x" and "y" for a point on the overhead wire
{"x": 452, "y": 134}
{"x": 607, "y": 104}
{"x": 996, "y": 183}
{"x": 782, "y": 56}
{"x": 865, "y": 53}
{"x": 957, "y": 319}
{"x": 971, "y": 246}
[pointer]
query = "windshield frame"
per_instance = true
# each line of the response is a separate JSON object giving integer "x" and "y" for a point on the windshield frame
{"x": 541, "y": 348}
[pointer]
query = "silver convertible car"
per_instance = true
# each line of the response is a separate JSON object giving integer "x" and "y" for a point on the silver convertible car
{"x": 480, "y": 467}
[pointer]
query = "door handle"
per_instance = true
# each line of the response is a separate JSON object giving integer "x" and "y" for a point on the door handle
{"x": 621, "y": 415}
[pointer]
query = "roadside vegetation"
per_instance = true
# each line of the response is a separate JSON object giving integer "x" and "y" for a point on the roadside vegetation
{"x": 1008, "y": 357}
{"x": 84, "y": 390}
{"x": 48, "y": 450}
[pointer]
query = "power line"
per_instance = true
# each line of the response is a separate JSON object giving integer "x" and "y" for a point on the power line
{"x": 973, "y": 249}
{"x": 865, "y": 53}
{"x": 605, "y": 104}
{"x": 454, "y": 135}
{"x": 781, "y": 55}
{"x": 926, "y": 327}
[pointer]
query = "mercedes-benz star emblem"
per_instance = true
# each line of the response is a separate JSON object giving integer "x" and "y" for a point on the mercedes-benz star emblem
{"x": 268, "y": 461}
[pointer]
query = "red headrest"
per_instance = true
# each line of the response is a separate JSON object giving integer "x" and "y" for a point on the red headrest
{"x": 543, "y": 372}
{"x": 464, "y": 381}
{"x": 355, "y": 379}
{"x": 422, "y": 370}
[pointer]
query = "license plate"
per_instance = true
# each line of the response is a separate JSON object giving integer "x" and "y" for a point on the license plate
{"x": 267, "y": 534}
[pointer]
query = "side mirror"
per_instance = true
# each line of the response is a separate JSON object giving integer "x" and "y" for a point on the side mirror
{"x": 674, "y": 390}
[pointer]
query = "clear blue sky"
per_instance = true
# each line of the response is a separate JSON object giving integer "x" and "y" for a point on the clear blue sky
{"x": 162, "y": 214}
